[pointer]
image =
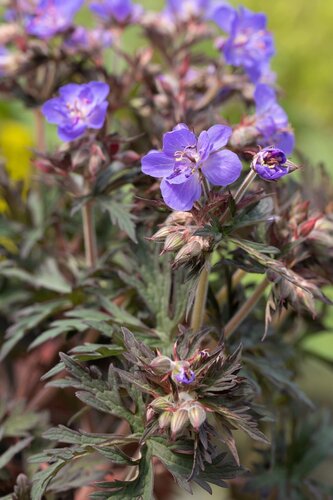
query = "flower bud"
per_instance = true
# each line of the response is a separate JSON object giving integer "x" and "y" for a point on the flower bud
{"x": 192, "y": 249}
{"x": 173, "y": 242}
{"x": 197, "y": 415}
{"x": 164, "y": 419}
{"x": 243, "y": 136}
{"x": 181, "y": 218}
{"x": 161, "y": 234}
{"x": 161, "y": 364}
{"x": 179, "y": 420}
{"x": 270, "y": 164}
{"x": 149, "y": 414}
{"x": 161, "y": 404}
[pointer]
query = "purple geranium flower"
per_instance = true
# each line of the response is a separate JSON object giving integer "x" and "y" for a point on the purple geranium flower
{"x": 121, "y": 11}
{"x": 77, "y": 108}
{"x": 51, "y": 17}
{"x": 249, "y": 45}
{"x": 185, "y": 9}
{"x": 186, "y": 158}
{"x": 271, "y": 164}
{"x": 272, "y": 121}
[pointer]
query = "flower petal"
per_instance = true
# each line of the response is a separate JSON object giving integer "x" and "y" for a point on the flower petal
{"x": 178, "y": 140}
{"x": 97, "y": 117}
{"x": 69, "y": 134}
{"x": 222, "y": 168}
{"x": 219, "y": 136}
{"x": 157, "y": 164}
{"x": 181, "y": 196}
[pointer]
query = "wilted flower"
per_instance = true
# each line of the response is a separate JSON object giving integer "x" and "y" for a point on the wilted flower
{"x": 121, "y": 11}
{"x": 51, "y": 17}
{"x": 271, "y": 164}
{"x": 272, "y": 121}
{"x": 249, "y": 45}
{"x": 185, "y": 158}
{"x": 77, "y": 108}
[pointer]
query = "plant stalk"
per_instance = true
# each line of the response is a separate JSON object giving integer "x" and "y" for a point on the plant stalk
{"x": 235, "y": 280}
{"x": 198, "y": 312}
{"x": 40, "y": 131}
{"x": 89, "y": 235}
{"x": 246, "y": 308}
{"x": 240, "y": 192}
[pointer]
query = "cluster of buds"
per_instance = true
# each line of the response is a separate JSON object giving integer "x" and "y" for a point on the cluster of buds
{"x": 178, "y": 234}
{"x": 178, "y": 414}
{"x": 193, "y": 392}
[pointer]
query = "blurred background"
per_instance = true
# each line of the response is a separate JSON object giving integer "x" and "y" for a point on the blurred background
{"x": 303, "y": 33}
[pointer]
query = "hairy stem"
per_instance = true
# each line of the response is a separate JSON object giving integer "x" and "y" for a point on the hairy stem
{"x": 198, "y": 312}
{"x": 246, "y": 308}
{"x": 89, "y": 234}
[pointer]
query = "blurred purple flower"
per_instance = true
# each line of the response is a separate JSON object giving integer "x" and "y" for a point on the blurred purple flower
{"x": 121, "y": 11}
{"x": 272, "y": 121}
{"x": 271, "y": 164}
{"x": 186, "y": 158}
{"x": 183, "y": 10}
{"x": 249, "y": 45}
{"x": 5, "y": 58}
{"x": 51, "y": 17}
{"x": 83, "y": 39}
{"x": 77, "y": 108}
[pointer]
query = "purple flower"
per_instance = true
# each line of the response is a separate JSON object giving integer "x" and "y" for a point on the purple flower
{"x": 272, "y": 121}
{"x": 271, "y": 164}
{"x": 182, "y": 373}
{"x": 121, "y": 11}
{"x": 89, "y": 40}
{"x": 51, "y": 17}
{"x": 249, "y": 45}
{"x": 185, "y": 158}
{"x": 183, "y": 10}
{"x": 77, "y": 108}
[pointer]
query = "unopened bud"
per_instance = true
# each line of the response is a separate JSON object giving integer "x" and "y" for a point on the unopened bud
{"x": 161, "y": 364}
{"x": 164, "y": 419}
{"x": 161, "y": 234}
{"x": 244, "y": 135}
{"x": 188, "y": 251}
{"x": 161, "y": 404}
{"x": 179, "y": 420}
{"x": 149, "y": 414}
{"x": 173, "y": 242}
{"x": 181, "y": 218}
{"x": 197, "y": 415}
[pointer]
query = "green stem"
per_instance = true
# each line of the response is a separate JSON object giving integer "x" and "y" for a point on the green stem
{"x": 89, "y": 235}
{"x": 240, "y": 193}
{"x": 246, "y": 308}
{"x": 198, "y": 312}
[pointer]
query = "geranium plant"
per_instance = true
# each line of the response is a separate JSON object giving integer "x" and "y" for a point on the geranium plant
{"x": 162, "y": 270}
